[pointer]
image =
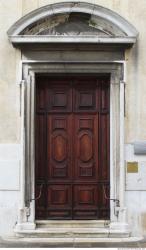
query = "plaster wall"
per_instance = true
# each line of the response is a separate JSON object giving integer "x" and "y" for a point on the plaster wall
{"x": 9, "y": 187}
{"x": 10, "y": 11}
{"x": 135, "y": 112}
{"x": 135, "y": 192}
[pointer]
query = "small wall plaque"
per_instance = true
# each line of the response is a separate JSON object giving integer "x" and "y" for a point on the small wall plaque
{"x": 132, "y": 167}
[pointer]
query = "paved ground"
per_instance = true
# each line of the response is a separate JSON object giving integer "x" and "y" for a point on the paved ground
{"x": 7, "y": 243}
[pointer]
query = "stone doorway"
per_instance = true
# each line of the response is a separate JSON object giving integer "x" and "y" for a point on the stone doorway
{"x": 46, "y": 48}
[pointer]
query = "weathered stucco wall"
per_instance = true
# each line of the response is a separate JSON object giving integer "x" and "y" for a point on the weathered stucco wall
{"x": 10, "y": 11}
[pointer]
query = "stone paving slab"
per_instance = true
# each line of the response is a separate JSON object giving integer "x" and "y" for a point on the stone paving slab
{"x": 23, "y": 243}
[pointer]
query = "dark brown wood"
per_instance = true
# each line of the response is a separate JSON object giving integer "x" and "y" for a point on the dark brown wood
{"x": 72, "y": 147}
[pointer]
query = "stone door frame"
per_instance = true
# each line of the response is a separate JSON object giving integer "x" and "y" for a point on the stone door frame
{"x": 117, "y": 71}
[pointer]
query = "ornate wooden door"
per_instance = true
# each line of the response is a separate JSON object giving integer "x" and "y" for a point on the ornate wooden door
{"x": 72, "y": 148}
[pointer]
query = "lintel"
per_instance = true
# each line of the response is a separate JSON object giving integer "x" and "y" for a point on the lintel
{"x": 71, "y": 39}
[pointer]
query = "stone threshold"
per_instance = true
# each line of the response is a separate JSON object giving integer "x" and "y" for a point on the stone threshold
{"x": 72, "y": 223}
{"x": 70, "y": 229}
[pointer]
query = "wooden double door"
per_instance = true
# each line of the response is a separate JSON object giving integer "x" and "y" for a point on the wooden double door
{"x": 72, "y": 147}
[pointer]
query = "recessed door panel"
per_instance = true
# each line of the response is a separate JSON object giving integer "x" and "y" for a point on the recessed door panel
{"x": 86, "y": 141}
{"x": 85, "y": 96}
{"x": 59, "y": 201}
{"x": 59, "y": 96}
{"x": 59, "y": 147}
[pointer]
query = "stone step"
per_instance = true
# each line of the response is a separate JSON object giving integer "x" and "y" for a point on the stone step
{"x": 72, "y": 224}
{"x": 65, "y": 233}
{"x": 70, "y": 229}
{"x": 72, "y": 233}
{"x": 60, "y": 241}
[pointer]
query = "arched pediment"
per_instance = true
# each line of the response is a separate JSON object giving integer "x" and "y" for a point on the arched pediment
{"x": 72, "y": 22}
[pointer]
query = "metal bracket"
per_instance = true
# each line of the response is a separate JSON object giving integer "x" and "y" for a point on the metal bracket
{"x": 112, "y": 199}
{"x": 22, "y": 82}
{"x": 27, "y": 211}
{"x": 39, "y": 196}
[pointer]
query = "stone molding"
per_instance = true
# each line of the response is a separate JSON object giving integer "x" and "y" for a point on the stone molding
{"x": 29, "y": 69}
{"x": 123, "y": 31}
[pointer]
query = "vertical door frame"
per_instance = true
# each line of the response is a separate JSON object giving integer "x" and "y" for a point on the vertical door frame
{"x": 116, "y": 69}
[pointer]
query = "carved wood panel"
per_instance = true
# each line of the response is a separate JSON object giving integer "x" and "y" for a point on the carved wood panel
{"x": 59, "y": 201}
{"x": 86, "y": 141}
{"x": 72, "y": 147}
{"x": 85, "y": 96}
{"x": 59, "y": 96}
{"x": 59, "y": 147}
